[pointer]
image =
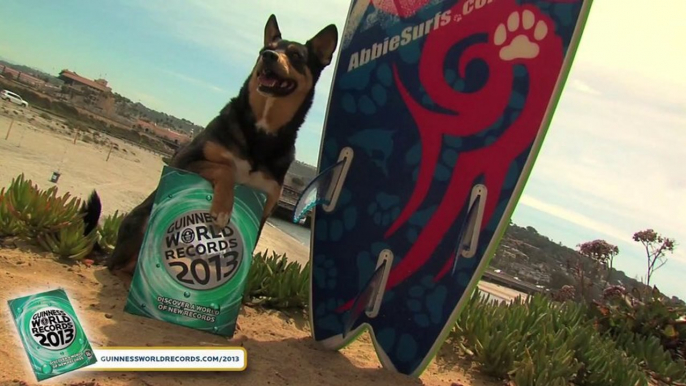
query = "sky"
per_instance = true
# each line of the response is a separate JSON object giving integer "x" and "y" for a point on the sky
{"x": 611, "y": 164}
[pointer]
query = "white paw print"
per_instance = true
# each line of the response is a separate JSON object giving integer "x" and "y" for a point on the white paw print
{"x": 518, "y": 36}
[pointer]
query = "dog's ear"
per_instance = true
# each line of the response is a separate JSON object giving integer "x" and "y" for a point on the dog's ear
{"x": 271, "y": 31}
{"x": 324, "y": 44}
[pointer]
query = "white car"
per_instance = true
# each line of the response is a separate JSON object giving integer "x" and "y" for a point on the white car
{"x": 13, "y": 97}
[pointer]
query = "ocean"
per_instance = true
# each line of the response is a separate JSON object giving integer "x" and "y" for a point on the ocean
{"x": 299, "y": 232}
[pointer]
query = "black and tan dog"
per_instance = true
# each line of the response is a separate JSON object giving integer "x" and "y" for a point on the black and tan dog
{"x": 252, "y": 140}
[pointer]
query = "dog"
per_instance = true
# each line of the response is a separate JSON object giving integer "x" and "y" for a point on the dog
{"x": 252, "y": 139}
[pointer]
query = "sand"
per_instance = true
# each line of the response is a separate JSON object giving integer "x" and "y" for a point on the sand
{"x": 280, "y": 348}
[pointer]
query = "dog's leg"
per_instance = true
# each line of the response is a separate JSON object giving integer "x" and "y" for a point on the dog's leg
{"x": 132, "y": 229}
{"x": 273, "y": 196}
{"x": 130, "y": 237}
{"x": 222, "y": 178}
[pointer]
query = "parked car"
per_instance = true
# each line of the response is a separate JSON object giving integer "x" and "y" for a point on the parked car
{"x": 13, "y": 97}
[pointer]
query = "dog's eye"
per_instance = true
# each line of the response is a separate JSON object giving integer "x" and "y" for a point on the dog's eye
{"x": 295, "y": 55}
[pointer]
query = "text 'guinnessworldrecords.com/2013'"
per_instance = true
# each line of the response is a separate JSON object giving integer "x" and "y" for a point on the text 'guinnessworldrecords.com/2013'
{"x": 170, "y": 359}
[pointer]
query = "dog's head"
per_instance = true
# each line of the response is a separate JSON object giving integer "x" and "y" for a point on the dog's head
{"x": 286, "y": 72}
{"x": 286, "y": 67}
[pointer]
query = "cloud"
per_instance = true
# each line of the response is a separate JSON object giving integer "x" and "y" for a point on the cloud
{"x": 232, "y": 33}
{"x": 645, "y": 44}
{"x": 583, "y": 87}
{"x": 624, "y": 151}
{"x": 195, "y": 81}
{"x": 612, "y": 164}
{"x": 572, "y": 216}
{"x": 234, "y": 29}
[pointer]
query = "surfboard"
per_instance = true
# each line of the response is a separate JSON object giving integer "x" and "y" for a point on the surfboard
{"x": 437, "y": 111}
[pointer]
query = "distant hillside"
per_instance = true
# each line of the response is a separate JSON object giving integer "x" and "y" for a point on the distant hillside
{"x": 33, "y": 72}
{"x": 533, "y": 257}
{"x": 134, "y": 110}
{"x": 123, "y": 105}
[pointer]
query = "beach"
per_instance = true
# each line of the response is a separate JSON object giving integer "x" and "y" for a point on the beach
{"x": 279, "y": 346}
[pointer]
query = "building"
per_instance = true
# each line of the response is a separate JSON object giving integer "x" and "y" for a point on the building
{"x": 92, "y": 94}
{"x": 9, "y": 72}
{"x": 170, "y": 136}
{"x": 21, "y": 77}
{"x": 78, "y": 82}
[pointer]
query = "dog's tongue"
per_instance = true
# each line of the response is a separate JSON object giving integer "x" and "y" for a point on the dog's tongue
{"x": 267, "y": 81}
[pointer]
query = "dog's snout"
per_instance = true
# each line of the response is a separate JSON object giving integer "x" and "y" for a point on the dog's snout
{"x": 270, "y": 56}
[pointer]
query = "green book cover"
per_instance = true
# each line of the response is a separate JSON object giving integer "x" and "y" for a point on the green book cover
{"x": 189, "y": 272}
{"x": 51, "y": 334}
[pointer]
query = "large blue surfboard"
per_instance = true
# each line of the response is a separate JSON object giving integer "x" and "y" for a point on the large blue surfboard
{"x": 437, "y": 112}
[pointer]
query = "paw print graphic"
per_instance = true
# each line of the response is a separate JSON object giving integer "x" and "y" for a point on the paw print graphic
{"x": 443, "y": 167}
{"x": 377, "y": 144}
{"x": 327, "y": 319}
{"x": 458, "y": 84}
{"x": 404, "y": 345}
{"x": 474, "y": 77}
{"x": 491, "y": 133}
{"x": 518, "y": 37}
{"x": 333, "y": 229}
{"x": 426, "y": 301}
{"x": 324, "y": 273}
{"x": 515, "y": 106}
{"x": 418, "y": 221}
{"x": 384, "y": 209}
{"x": 386, "y": 338}
{"x": 359, "y": 79}
{"x": 453, "y": 143}
{"x": 373, "y": 95}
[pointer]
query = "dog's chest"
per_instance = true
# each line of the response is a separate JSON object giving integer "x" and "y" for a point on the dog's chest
{"x": 256, "y": 180}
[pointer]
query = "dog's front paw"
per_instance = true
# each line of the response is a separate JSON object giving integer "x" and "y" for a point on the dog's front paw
{"x": 221, "y": 220}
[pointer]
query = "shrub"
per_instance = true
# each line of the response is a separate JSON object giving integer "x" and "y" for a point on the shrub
{"x": 567, "y": 292}
{"x": 37, "y": 212}
{"x": 109, "y": 230}
{"x": 52, "y": 221}
{"x": 9, "y": 226}
{"x": 647, "y": 326}
{"x": 69, "y": 242}
{"x": 540, "y": 342}
{"x": 33, "y": 98}
{"x": 653, "y": 358}
{"x": 273, "y": 282}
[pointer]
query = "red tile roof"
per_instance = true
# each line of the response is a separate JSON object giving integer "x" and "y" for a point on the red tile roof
{"x": 30, "y": 79}
{"x": 162, "y": 131}
{"x": 78, "y": 78}
{"x": 9, "y": 70}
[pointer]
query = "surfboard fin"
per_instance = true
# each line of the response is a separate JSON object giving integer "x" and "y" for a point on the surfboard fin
{"x": 325, "y": 188}
{"x": 369, "y": 299}
{"x": 471, "y": 226}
